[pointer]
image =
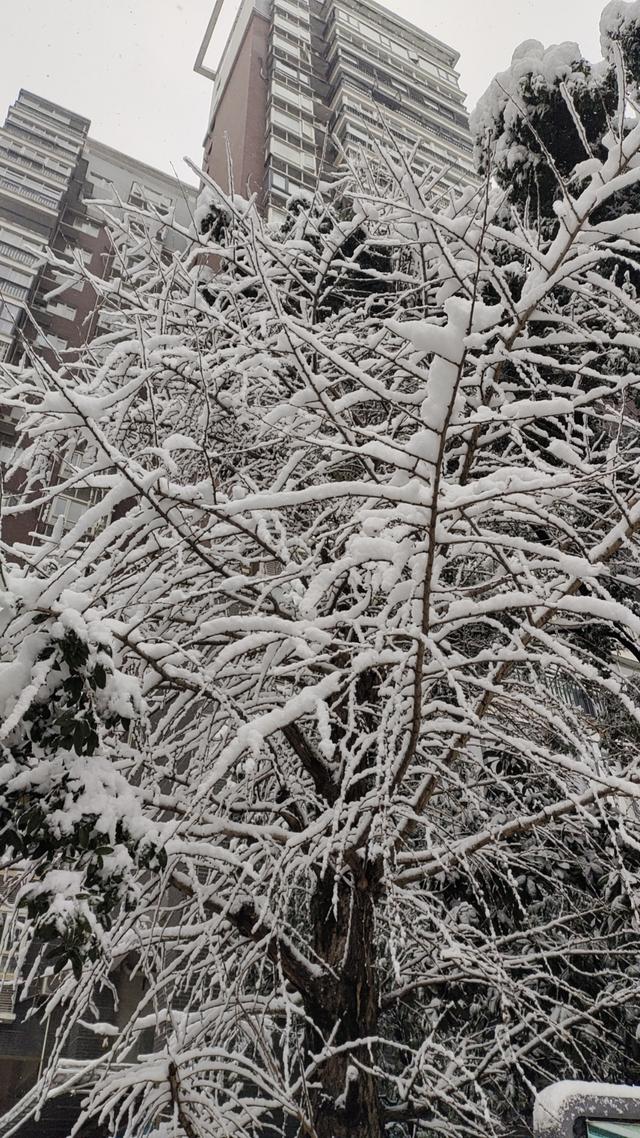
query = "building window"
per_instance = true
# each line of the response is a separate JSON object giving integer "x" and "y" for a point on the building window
{"x": 64, "y": 310}
{"x": 84, "y": 256}
{"x": 7, "y": 433}
{"x": 279, "y": 182}
{"x": 292, "y": 96}
{"x": 56, "y": 343}
{"x": 102, "y": 187}
{"x": 84, "y": 225}
{"x": 69, "y": 508}
{"x": 9, "y": 314}
{"x": 299, "y": 158}
{"x": 9, "y": 883}
{"x": 13, "y": 285}
{"x": 144, "y": 196}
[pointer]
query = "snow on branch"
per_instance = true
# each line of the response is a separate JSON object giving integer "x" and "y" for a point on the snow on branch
{"x": 323, "y": 715}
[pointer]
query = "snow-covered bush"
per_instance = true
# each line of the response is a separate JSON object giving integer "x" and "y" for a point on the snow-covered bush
{"x": 66, "y": 710}
{"x": 373, "y": 567}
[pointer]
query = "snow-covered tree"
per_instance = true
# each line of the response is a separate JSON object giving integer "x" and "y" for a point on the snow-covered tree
{"x": 543, "y": 120}
{"x": 307, "y": 714}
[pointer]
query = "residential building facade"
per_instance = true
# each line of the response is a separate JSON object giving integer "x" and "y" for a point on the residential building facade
{"x": 40, "y": 177}
{"x": 52, "y": 177}
{"x": 302, "y": 84}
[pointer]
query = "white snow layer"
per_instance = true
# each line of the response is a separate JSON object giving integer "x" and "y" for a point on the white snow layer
{"x": 544, "y": 67}
{"x": 549, "y": 66}
{"x": 530, "y": 59}
{"x": 615, "y": 16}
{"x": 553, "y": 1102}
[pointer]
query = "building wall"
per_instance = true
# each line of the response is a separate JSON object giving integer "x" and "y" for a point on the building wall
{"x": 51, "y": 179}
{"x": 25, "y": 1044}
{"x": 50, "y": 172}
{"x": 236, "y": 134}
{"x": 107, "y": 176}
{"x": 111, "y": 175}
{"x": 396, "y": 84}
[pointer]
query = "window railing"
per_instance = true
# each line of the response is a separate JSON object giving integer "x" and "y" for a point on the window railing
{"x": 12, "y": 289}
{"x": 24, "y": 160}
{"x": 573, "y": 694}
{"x": 60, "y": 138}
{"x": 17, "y": 254}
{"x": 7, "y": 990}
{"x": 36, "y": 139}
{"x": 27, "y": 192}
{"x": 69, "y": 122}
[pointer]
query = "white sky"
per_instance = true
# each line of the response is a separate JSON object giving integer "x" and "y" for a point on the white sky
{"x": 128, "y": 64}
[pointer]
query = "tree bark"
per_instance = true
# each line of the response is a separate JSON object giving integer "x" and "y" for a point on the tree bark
{"x": 345, "y": 1098}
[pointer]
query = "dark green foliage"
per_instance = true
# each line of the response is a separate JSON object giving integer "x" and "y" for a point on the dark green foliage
{"x": 50, "y": 769}
{"x": 216, "y": 223}
{"x": 537, "y": 123}
{"x": 547, "y": 137}
{"x": 354, "y": 271}
{"x": 69, "y": 721}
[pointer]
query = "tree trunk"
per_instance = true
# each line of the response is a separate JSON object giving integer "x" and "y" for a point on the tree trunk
{"x": 345, "y": 1100}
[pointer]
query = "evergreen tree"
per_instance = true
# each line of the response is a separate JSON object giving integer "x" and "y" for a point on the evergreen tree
{"x": 542, "y": 122}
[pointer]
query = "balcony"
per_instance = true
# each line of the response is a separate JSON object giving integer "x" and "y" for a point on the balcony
{"x": 57, "y": 138}
{"x": 40, "y": 143}
{"x": 8, "y": 288}
{"x": 24, "y": 161}
{"x": 18, "y": 255}
{"x": 27, "y": 192}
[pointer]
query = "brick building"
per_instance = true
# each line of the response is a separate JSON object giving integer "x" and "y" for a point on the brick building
{"x": 302, "y": 83}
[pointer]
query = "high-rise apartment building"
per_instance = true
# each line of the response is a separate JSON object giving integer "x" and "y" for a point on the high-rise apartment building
{"x": 40, "y": 175}
{"x": 51, "y": 174}
{"x": 302, "y": 83}
{"x": 52, "y": 177}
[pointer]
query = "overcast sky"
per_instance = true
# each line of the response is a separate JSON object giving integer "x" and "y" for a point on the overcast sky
{"x": 128, "y": 64}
